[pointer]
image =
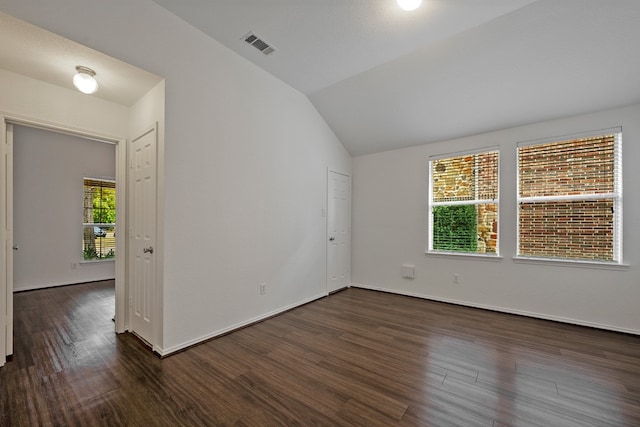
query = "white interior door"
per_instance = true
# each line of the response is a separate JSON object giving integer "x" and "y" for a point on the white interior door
{"x": 6, "y": 251}
{"x": 338, "y": 231}
{"x": 142, "y": 234}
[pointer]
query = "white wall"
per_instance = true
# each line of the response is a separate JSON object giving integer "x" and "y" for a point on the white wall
{"x": 245, "y": 167}
{"x": 30, "y": 98}
{"x": 389, "y": 229}
{"x": 49, "y": 168}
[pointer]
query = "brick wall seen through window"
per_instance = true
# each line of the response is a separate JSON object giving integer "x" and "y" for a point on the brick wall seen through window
{"x": 569, "y": 196}
{"x": 463, "y": 203}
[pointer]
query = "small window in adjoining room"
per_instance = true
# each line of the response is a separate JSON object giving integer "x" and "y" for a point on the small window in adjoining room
{"x": 99, "y": 219}
{"x": 463, "y": 203}
{"x": 570, "y": 198}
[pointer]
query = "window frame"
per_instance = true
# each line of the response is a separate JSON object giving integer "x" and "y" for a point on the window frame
{"x": 113, "y": 185}
{"x": 431, "y": 204}
{"x": 616, "y": 196}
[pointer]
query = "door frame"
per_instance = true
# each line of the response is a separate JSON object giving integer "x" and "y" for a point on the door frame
{"x": 348, "y": 176}
{"x": 6, "y": 288}
{"x": 6, "y": 241}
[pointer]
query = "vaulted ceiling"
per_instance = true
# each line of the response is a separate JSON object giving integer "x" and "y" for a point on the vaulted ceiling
{"x": 383, "y": 78}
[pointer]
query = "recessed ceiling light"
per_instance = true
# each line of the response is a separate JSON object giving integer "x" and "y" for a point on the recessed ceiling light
{"x": 409, "y": 5}
{"x": 84, "y": 80}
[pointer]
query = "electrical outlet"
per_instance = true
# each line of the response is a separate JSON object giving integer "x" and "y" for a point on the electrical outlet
{"x": 456, "y": 278}
{"x": 263, "y": 288}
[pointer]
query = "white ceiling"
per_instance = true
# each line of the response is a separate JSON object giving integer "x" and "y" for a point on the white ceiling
{"x": 33, "y": 52}
{"x": 322, "y": 42}
{"x": 383, "y": 78}
{"x": 549, "y": 60}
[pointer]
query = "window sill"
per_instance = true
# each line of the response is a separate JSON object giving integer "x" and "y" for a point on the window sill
{"x": 472, "y": 256}
{"x": 602, "y": 265}
{"x": 96, "y": 261}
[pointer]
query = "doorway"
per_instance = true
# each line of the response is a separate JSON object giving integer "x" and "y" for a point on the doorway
{"x": 338, "y": 231}
{"x": 143, "y": 234}
{"x": 10, "y": 246}
{"x": 51, "y": 170}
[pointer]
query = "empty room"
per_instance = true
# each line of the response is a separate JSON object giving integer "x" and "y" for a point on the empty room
{"x": 319, "y": 212}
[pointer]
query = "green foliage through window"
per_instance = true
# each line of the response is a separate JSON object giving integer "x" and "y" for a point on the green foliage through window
{"x": 455, "y": 228}
{"x": 99, "y": 218}
{"x": 463, "y": 201}
{"x": 104, "y": 205}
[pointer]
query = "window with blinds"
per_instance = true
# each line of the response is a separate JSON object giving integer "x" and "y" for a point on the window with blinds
{"x": 570, "y": 198}
{"x": 99, "y": 219}
{"x": 463, "y": 203}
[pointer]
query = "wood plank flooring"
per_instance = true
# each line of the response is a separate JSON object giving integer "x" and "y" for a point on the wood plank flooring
{"x": 355, "y": 358}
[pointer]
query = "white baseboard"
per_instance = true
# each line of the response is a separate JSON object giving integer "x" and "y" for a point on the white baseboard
{"x": 502, "y": 309}
{"x": 56, "y": 284}
{"x": 168, "y": 351}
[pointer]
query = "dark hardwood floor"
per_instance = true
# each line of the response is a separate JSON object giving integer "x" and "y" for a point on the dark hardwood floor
{"x": 355, "y": 358}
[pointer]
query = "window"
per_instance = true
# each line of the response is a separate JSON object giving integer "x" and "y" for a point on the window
{"x": 99, "y": 219}
{"x": 570, "y": 198}
{"x": 463, "y": 203}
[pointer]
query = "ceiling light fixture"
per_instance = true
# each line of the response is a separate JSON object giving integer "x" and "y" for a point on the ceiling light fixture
{"x": 409, "y": 5}
{"x": 84, "y": 80}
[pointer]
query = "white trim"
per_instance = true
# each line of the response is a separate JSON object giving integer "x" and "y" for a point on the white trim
{"x": 6, "y": 240}
{"x": 467, "y": 202}
{"x": 58, "y": 284}
{"x": 535, "y": 315}
{"x": 571, "y": 136}
{"x": 56, "y": 127}
{"x": 464, "y": 152}
{"x": 95, "y": 261}
{"x": 158, "y": 302}
{"x": 168, "y": 351}
{"x": 568, "y": 197}
{"x": 619, "y": 200}
{"x": 580, "y": 263}
{"x": 120, "y": 315}
{"x": 160, "y": 153}
{"x": 476, "y": 256}
{"x": 109, "y": 179}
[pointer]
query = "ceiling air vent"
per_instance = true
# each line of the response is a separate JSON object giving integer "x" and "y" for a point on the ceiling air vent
{"x": 259, "y": 44}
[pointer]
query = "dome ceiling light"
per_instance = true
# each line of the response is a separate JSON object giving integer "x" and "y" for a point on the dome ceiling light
{"x": 84, "y": 80}
{"x": 409, "y": 5}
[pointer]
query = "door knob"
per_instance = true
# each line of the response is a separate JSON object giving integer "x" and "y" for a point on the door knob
{"x": 16, "y": 247}
{"x": 331, "y": 239}
{"x": 148, "y": 250}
